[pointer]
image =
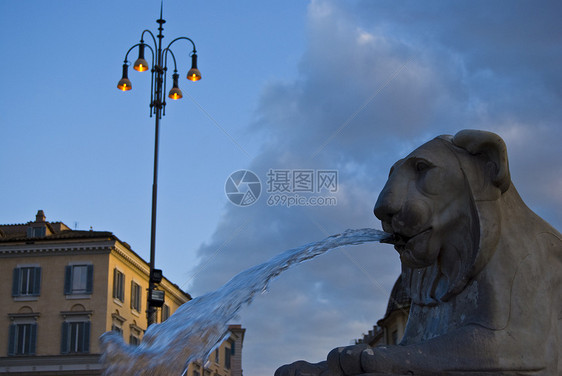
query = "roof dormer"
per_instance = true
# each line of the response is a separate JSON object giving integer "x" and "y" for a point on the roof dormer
{"x": 37, "y": 229}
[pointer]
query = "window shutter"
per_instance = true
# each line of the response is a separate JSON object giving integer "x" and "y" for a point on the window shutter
{"x": 12, "y": 342}
{"x": 67, "y": 280}
{"x": 16, "y": 282}
{"x": 115, "y": 283}
{"x": 139, "y": 300}
{"x": 64, "y": 338}
{"x": 132, "y": 294}
{"x": 226, "y": 358}
{"x": 37, "y": 281}
{"x": 122, "y": 289}
{"x": 86, "y": 337}
{"x": 32, "y": 339}
{"x": 90, "y": 280}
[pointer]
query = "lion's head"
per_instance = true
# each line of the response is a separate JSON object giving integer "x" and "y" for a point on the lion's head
{"x": 433, "y": 203}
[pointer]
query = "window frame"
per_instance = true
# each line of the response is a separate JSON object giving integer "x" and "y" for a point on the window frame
{"x": 165, "y": 313}
{"x": 32, "y": 275}
{"x": 227, "y": 357}
{"x": 117, "y": 329}
{"x": 136, "y": 296}
{"x": 134, "y": 340}
{"x": 36, "y": 232}
{"x": 70, "y": 278}
{"x": 118, "y": 285}
{"x": 394, "y": 336}
{"x": 117, "y": 323}
{"x": 135, "y": 335}
{"x": 75, "y": 336}
{"x": 29, "y": 344}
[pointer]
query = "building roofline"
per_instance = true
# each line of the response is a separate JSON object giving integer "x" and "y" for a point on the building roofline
{"x": 147, "y": 265}
{"x": 17, "y": 233}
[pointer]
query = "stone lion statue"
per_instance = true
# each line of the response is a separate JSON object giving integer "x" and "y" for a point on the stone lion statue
{"x": 483, "y": 271}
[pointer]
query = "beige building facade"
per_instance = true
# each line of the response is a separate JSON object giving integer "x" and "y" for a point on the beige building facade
{"x": 61, "y": 289}
{"x": 226, "y": 360}
{"x": 390, "y": 329}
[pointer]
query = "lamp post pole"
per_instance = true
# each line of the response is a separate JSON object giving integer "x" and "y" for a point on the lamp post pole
{"x": 155, "y": 297}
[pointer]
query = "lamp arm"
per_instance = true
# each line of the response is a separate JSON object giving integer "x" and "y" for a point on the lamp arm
{"x": 165, "y": 52}
{"x": 136, "y": 45}
{"x": 152, "y": 35}
{"x": 130, "y": 49}
{"x": 163, "y": 92}
{"x": 192, "y": 43}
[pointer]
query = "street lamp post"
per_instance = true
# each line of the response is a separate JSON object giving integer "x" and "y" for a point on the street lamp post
{"x": 155, "y": 297}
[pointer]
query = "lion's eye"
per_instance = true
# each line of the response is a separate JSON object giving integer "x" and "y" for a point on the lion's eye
{"x": 422, "y": 166}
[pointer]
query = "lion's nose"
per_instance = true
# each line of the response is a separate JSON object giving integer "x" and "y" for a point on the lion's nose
{"x": 385, "y": 207}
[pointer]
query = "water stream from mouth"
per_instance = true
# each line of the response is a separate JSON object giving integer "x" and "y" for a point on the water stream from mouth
{"x": 195, "y": 329}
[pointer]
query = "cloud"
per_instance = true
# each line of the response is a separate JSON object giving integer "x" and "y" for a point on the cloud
{"x": 377, "y": 80}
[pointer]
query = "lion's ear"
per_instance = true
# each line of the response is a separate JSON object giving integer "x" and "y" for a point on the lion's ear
{"x": 492, "y": 147}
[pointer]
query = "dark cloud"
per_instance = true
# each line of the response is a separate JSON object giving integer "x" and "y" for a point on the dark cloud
{"x": 378, "y": 79}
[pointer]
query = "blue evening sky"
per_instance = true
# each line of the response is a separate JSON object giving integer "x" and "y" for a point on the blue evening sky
{"x": 349, "y": 86}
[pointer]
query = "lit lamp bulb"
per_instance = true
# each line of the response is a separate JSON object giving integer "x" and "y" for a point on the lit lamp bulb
{"x": 124, "y": 83}
{"x": 194, "y": 74}
{"x": 141, "y": 64}
{"x": 175, "y": 93}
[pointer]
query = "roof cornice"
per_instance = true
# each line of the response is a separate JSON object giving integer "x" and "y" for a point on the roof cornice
{"x": 23, "y": 249}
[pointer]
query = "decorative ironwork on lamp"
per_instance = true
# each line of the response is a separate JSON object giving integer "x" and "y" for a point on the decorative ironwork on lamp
{"x": 159, "y": 64}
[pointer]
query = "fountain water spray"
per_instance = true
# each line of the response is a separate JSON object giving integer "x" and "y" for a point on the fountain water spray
{"x": 194, "y": 330}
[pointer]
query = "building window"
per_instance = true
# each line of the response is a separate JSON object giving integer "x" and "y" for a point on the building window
{"x": 75, "y": 337}
{"x": 26, "y": 281}
{"x": 196, "y": 370}
{"x": 394, "y": 337}
{"x": 117, "y": 323}
{"x": 134, "y": 338}
{"x": 217, "y": 356}
{"x": 36, "y": 232}
{"x": 23, "y": 338}
{"x": 78, "y": 279}
{"x": 136, "y": 296}
{"x": 117, "y": 329}
{"x": 165, "y": 312}
{"x": 227, "y": 354}
{"x": 118, "y": 285}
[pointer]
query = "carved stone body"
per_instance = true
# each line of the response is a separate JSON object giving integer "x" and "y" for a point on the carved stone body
{"x": 484, "y": 272}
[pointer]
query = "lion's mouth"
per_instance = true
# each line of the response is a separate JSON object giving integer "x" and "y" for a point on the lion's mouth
{"x": 400, "y": 240}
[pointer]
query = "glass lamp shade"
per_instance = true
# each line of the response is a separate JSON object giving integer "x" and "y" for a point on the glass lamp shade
{"x": 141, "y": 64}
{"x": 124, "y": 83}
{"x": 194, "y": 74}
{"x": 175, "y": 93}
